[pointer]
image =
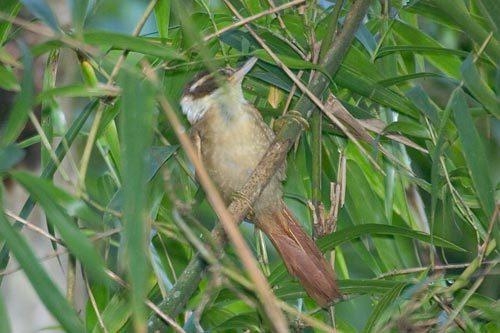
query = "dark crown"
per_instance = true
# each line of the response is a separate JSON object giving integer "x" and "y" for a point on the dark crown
{"x": 204, "y": 83}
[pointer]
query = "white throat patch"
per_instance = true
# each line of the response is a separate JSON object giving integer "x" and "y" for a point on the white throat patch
{"x": 194, "y": 109}
{"x": 222, "y": 98}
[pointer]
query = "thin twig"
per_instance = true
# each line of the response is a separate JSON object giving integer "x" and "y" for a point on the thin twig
{"x": 466, "y": 297}
{"x": 33, "y": 227}
{"x": 46, "y": 144}
{"x": 94, "y": 306}
{"x": 413, "y": 270}
{"x": 484, "y": 247}
{"x": 249, "y": 19}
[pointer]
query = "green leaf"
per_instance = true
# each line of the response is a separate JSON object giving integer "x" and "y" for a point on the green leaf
{"x": 491, "y": 9}
{"x": 386, "y": 301}
{"x": 159, "y": 155}
{"x": 289, "y": 61}
{"x": 328, "y": 243}
{"x": 10, "y": 156}
{"x": 162, "y": 15}
{"x": 4, "y": 317}
{"x": 474, "y": 153}
{"x": 135, "y": 44}
{"x": 405, "y": 78}
{"x": 42, "y": 284}
{"x": 418, "y": 49}
{"x": 353, "y": 286}
{"x": 291, "y": 290}
{"x": 78, "y": 90}
{"x": 49, "y": 171}
{"x": 411, "y": 128}
{"x": 42, "y": 11}
{"x": 417, "y": 40}
{"x": 470, "y": 26}
{"x": 8, "y": 80}
{"x": 350, "y": 78}
{"x": 423, "y": 102}
{"x": 74, "y": 238}
{"x": 479, "y": 88}
{"x": 10, "y": 7}
{"x": 8, "y": 59}
{"x": 136, "y": 125}
{"x": 116, "y": 314}
{"x": 79, "y": 9}
{"x": 23, "y": 103}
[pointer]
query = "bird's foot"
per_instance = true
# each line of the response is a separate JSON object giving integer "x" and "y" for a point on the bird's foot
{"x": 297, "y": 117}
{"x": 291, "y": 115}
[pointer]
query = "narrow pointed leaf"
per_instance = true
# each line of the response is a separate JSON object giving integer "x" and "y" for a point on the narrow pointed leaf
{"x": 42, "y": 11}
{"x": 48, "y": 292}
{"x": 72, "y": 236}
{"x": 329, "y": 242}
{"x": 23, "y": 102}
{"x": 136, "y": 138}
{"x": 474, "y": 153}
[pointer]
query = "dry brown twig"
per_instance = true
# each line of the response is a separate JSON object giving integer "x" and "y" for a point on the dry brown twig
{"x": 325, "y": 223}
{"x": 249, "y": 19}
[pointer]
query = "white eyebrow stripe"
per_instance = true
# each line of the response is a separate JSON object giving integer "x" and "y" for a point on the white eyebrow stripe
{"x": 199, "y": 82}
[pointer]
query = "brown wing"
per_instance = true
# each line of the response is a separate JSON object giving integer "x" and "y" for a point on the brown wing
{"x": 281, "y": 173}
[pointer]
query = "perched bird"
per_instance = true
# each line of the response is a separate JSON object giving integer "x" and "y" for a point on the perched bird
{"x": 231, "y": 138}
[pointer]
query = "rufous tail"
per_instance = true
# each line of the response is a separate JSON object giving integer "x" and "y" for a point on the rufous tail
{"x": 302, "y": 257}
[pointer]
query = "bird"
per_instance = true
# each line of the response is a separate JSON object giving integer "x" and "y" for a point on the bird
{"x": 231, "y": 137}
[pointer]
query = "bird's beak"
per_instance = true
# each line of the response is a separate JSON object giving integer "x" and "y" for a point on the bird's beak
{"x": 240, "y": 73}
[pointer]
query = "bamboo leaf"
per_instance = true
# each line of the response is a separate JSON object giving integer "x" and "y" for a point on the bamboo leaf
{"x": 79, "y": 10}
{"x": 8, "y": 80}
{"x": 49, "y": 171}
{"x": 349, "y": 77}
{"x": 479, "y": 88}
{"x": 135, "y": 44}
{"x": 162, "y": 15}
{"x": 79, "y": 90}
{"x": 405, "y": 78}
{"x": 4, "y": 317}
{"x": 387, "y": 300}
{"x": 328, "y": 243}
{"x": 418, "y": 40}
{"x": 48, "y": 292}
{"x": 23, "y": 102}
{"x": 9, "y": 157}
{"x": 116, "y": 313}
{"x": 491, "y": 9}
{"x": 410, "y": 128}
{"x": 136, "y": 137}
{"x": 474, "y": 153}
{"x": 42, "y": 11}
{"x": 75, "y": 240}
{"x": 10, "y": 7}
